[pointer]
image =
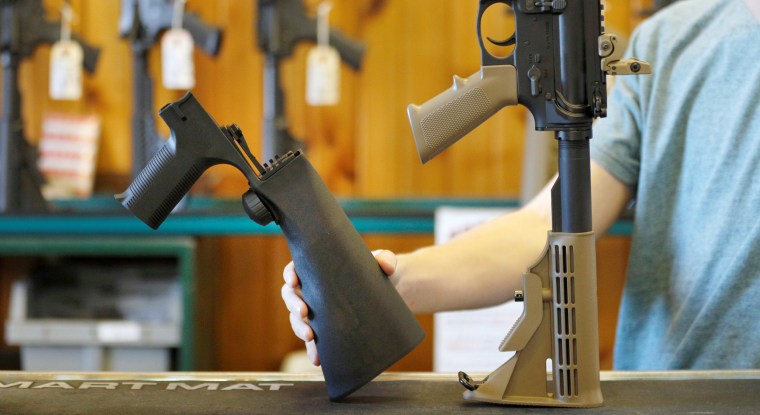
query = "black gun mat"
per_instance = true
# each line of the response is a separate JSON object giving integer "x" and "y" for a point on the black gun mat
{"x": 61, "y": 394}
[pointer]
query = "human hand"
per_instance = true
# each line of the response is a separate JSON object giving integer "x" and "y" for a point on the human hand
{"x": 291, "y": 295}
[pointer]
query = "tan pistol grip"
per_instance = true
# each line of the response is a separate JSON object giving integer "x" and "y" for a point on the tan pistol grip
{"x": 452, "y": 114}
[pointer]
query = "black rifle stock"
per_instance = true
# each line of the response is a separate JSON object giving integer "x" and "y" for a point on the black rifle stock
{"x": 23, "y": 28}
{"x": 143, "y": 22}
{"x": 281, "y": 25}
{"x": 362, "y": 325}
{"x": 558, "y": 71}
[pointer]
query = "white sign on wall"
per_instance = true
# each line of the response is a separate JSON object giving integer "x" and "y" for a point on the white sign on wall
{"x": 469, "y": 340}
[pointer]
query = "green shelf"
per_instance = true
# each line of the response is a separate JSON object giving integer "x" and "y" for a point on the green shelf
{"x": 204, "y": 216}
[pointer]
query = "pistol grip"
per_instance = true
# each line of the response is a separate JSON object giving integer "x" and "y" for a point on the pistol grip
{"x": 91, "y": 54}
{"x": 206, "y": 36}
{"x": 449, "y": 116}
{"x": 349, "y": 50}
{"x": 161, "y": 185}
{"x": 196, "y": 144}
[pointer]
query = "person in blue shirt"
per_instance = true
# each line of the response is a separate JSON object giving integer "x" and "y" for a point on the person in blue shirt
{"x": 684, "y": 145}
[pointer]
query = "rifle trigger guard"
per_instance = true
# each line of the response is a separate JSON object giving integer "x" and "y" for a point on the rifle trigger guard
{"x": 506, "y": 42}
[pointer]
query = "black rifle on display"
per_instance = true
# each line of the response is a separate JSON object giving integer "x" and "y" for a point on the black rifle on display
{"x": 143, "y": 22}
{"x": 557, "y": 69}
{"x": 281, "y": 26}
{"x": 362, "y": 325}
{"x": 23, "y": 28}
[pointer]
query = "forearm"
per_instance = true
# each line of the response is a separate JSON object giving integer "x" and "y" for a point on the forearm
{"x": 484, "y": 266}
{"x": 480, "y": 268}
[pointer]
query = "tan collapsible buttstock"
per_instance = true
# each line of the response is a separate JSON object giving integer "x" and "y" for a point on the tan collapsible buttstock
{"x": 449, "y": 116}
{"x": 558, "y": 325}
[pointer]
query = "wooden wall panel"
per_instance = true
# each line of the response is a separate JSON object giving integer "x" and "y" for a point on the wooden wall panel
{"x": 612, "y": 263}
{"x": 363, "y": 147}
{"x": 437, "y": 41}
{"x": 250, "y": 329}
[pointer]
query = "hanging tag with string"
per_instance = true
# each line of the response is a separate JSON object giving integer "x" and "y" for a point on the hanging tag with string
{"x": 66, "y": 58}
{"x": 177, "y": 65}
{"x": 323, "y": 64}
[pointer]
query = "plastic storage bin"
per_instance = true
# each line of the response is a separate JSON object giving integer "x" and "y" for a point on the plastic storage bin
{"x": 96, "y": 317}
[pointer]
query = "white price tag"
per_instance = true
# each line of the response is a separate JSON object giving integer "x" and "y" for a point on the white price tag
{"x": 177, "y": 65}
{"x": 66, "y": 59}
{"x": 323, "y": 76}
{"x": 323, "y": 64}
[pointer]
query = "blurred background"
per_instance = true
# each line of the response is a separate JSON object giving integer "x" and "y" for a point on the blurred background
{"x": 362, "y": 147}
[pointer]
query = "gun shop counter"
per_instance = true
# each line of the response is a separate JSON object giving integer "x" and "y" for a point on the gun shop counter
{"x": 685, "y": 392}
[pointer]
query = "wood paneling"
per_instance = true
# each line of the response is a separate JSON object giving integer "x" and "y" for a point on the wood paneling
{"x": 250, "y": 327}
{"x": 612, "y": 263}
{"x": 362, "y": 147}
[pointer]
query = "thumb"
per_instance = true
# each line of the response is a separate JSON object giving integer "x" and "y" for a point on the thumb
{"x": 387, "y": 261}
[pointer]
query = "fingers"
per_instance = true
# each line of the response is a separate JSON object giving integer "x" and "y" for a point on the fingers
{"x": 293, "y": 301}
{"x": 298, "y": 311}
{"x": 387, "y": 260}
{"x": 304, "y": 332}
{"x": 291, "y": 295}
{"x": 291, "y": 292}
{"x": 301, "y": 328}
{"x": 311, "y": 352}
{"x": 290, "y": 276}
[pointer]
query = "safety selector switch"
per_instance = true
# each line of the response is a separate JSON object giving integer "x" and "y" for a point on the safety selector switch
{"x": 256, "y": 209}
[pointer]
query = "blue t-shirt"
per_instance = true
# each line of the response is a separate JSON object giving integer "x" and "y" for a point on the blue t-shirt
{"x": 687, "y": 141}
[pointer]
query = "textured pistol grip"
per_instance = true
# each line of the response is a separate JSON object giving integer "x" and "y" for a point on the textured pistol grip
{"x": 160, "y": 185}
{"x": 196, "y": 144}
{"x": 449, "y": 116}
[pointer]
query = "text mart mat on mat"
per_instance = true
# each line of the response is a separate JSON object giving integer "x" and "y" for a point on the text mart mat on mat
{"x": 22, "y": 393}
